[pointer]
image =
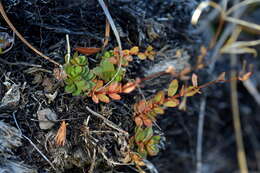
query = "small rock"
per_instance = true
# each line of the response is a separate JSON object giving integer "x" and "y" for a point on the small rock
{"x": 11, "y": 98}
{"x": 10, "y": 137}
{"x": 46, "y": 118}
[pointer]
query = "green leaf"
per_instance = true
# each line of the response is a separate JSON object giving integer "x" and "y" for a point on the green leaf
{"x": 70, "y": 88}
{"x": 107, "y": 54}
{"x": 158, "y": 110}
{"x": 173, "y": 87}
{"x": 148, "y": 132}
{"x": 68, "y": 69}
{"x": 68, "y": 81}
{"x": 191, "y": 91}
{"x": 172, "y": 103}
{"x": 142, "y": 152}
{"x": 75, "y": 55}
{"x": 78, "y": 70}
{"x": 89, "y": 76}
{"x": 139, "y": 135}
{"x": 156, "y": 139}
{"x": 107, "y": 66}
{"x": 81, "y": 60}
{"x": 159, "y": 97}
{"x": 85, "y": 70}
{"x": 81, "y": 84}
{"x": 76, "y": 92}
{"x": 97, "y": 71}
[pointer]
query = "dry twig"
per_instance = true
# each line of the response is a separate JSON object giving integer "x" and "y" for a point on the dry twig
{"x": 2, "y": 11}
{"x": 107, "y": 122}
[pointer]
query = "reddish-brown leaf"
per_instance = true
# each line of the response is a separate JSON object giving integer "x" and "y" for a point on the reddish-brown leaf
{"x": 113, "y": 60}
{"x": 138, "y": 121}
{"x": 95, "y": 99}
{"x": 182, "y": 92}
{"x": 129, "y": 87}
{"x": 115, "y": 87}
{"x": 141, "y": 106}
{"x": 88, "y": 50}
{"x": 148, "y": 122}
{"x": 245, "y": 76}
{"x": 60, "y": 138}
{"x": 115, "y": 96}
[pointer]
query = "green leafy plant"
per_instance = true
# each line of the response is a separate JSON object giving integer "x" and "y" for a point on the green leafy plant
{"x": 79, "y": 76}
{"x": 145, "y": 141}
{"x": 80, "y": 80}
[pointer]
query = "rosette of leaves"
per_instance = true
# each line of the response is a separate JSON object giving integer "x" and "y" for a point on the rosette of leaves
{"x": 79, "y": 76}
{"x": 107, "y": 70}
{"x": 145, "y": 142}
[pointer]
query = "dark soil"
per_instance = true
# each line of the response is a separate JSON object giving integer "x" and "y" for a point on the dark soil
{"x": 45, "y": 23}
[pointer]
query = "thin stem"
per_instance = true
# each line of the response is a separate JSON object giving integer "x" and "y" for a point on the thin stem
{"x": 2, "y": 11}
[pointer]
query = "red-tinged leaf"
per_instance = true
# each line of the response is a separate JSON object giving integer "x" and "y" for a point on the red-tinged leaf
{"x": 170, "y": 69}
{"x": 134, "y": 50}
{"x": 128, "y": 58}
{"x": 182, "y": 92}
{"x": 103, "y": 98}
{"x": 129, "y": 87}
{"x": 221, "y": 77}
{"x": 138, "y": 121}
{"x": 88, "y": 50}
{"x": 113, "y": 60}
{"x": 137, "y": 159}
{"x": 194, "y": 80}
{"x": 95, "y": 99}
{"x": 60, "y": 138}
{"x": 173, "y": 87}
{"x": 113, "y": 87}
{"x": 126, "y": 52}
{"x": 159, "y": 97}
{"x": 147, "y": 122}
{"x": 172, "y": 103}
{"x": 158, "y": 110}
{"x": 140, "y": 107}
{"x": 115, "y": 96}
{"x": 245, "y": 76}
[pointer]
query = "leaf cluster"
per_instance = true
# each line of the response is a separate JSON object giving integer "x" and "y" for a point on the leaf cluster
{"x": 79, "y": 76}
{"x": 100, "y": 93}
{"x": 145, "y": 141}
{"x": 80, "y": 80}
